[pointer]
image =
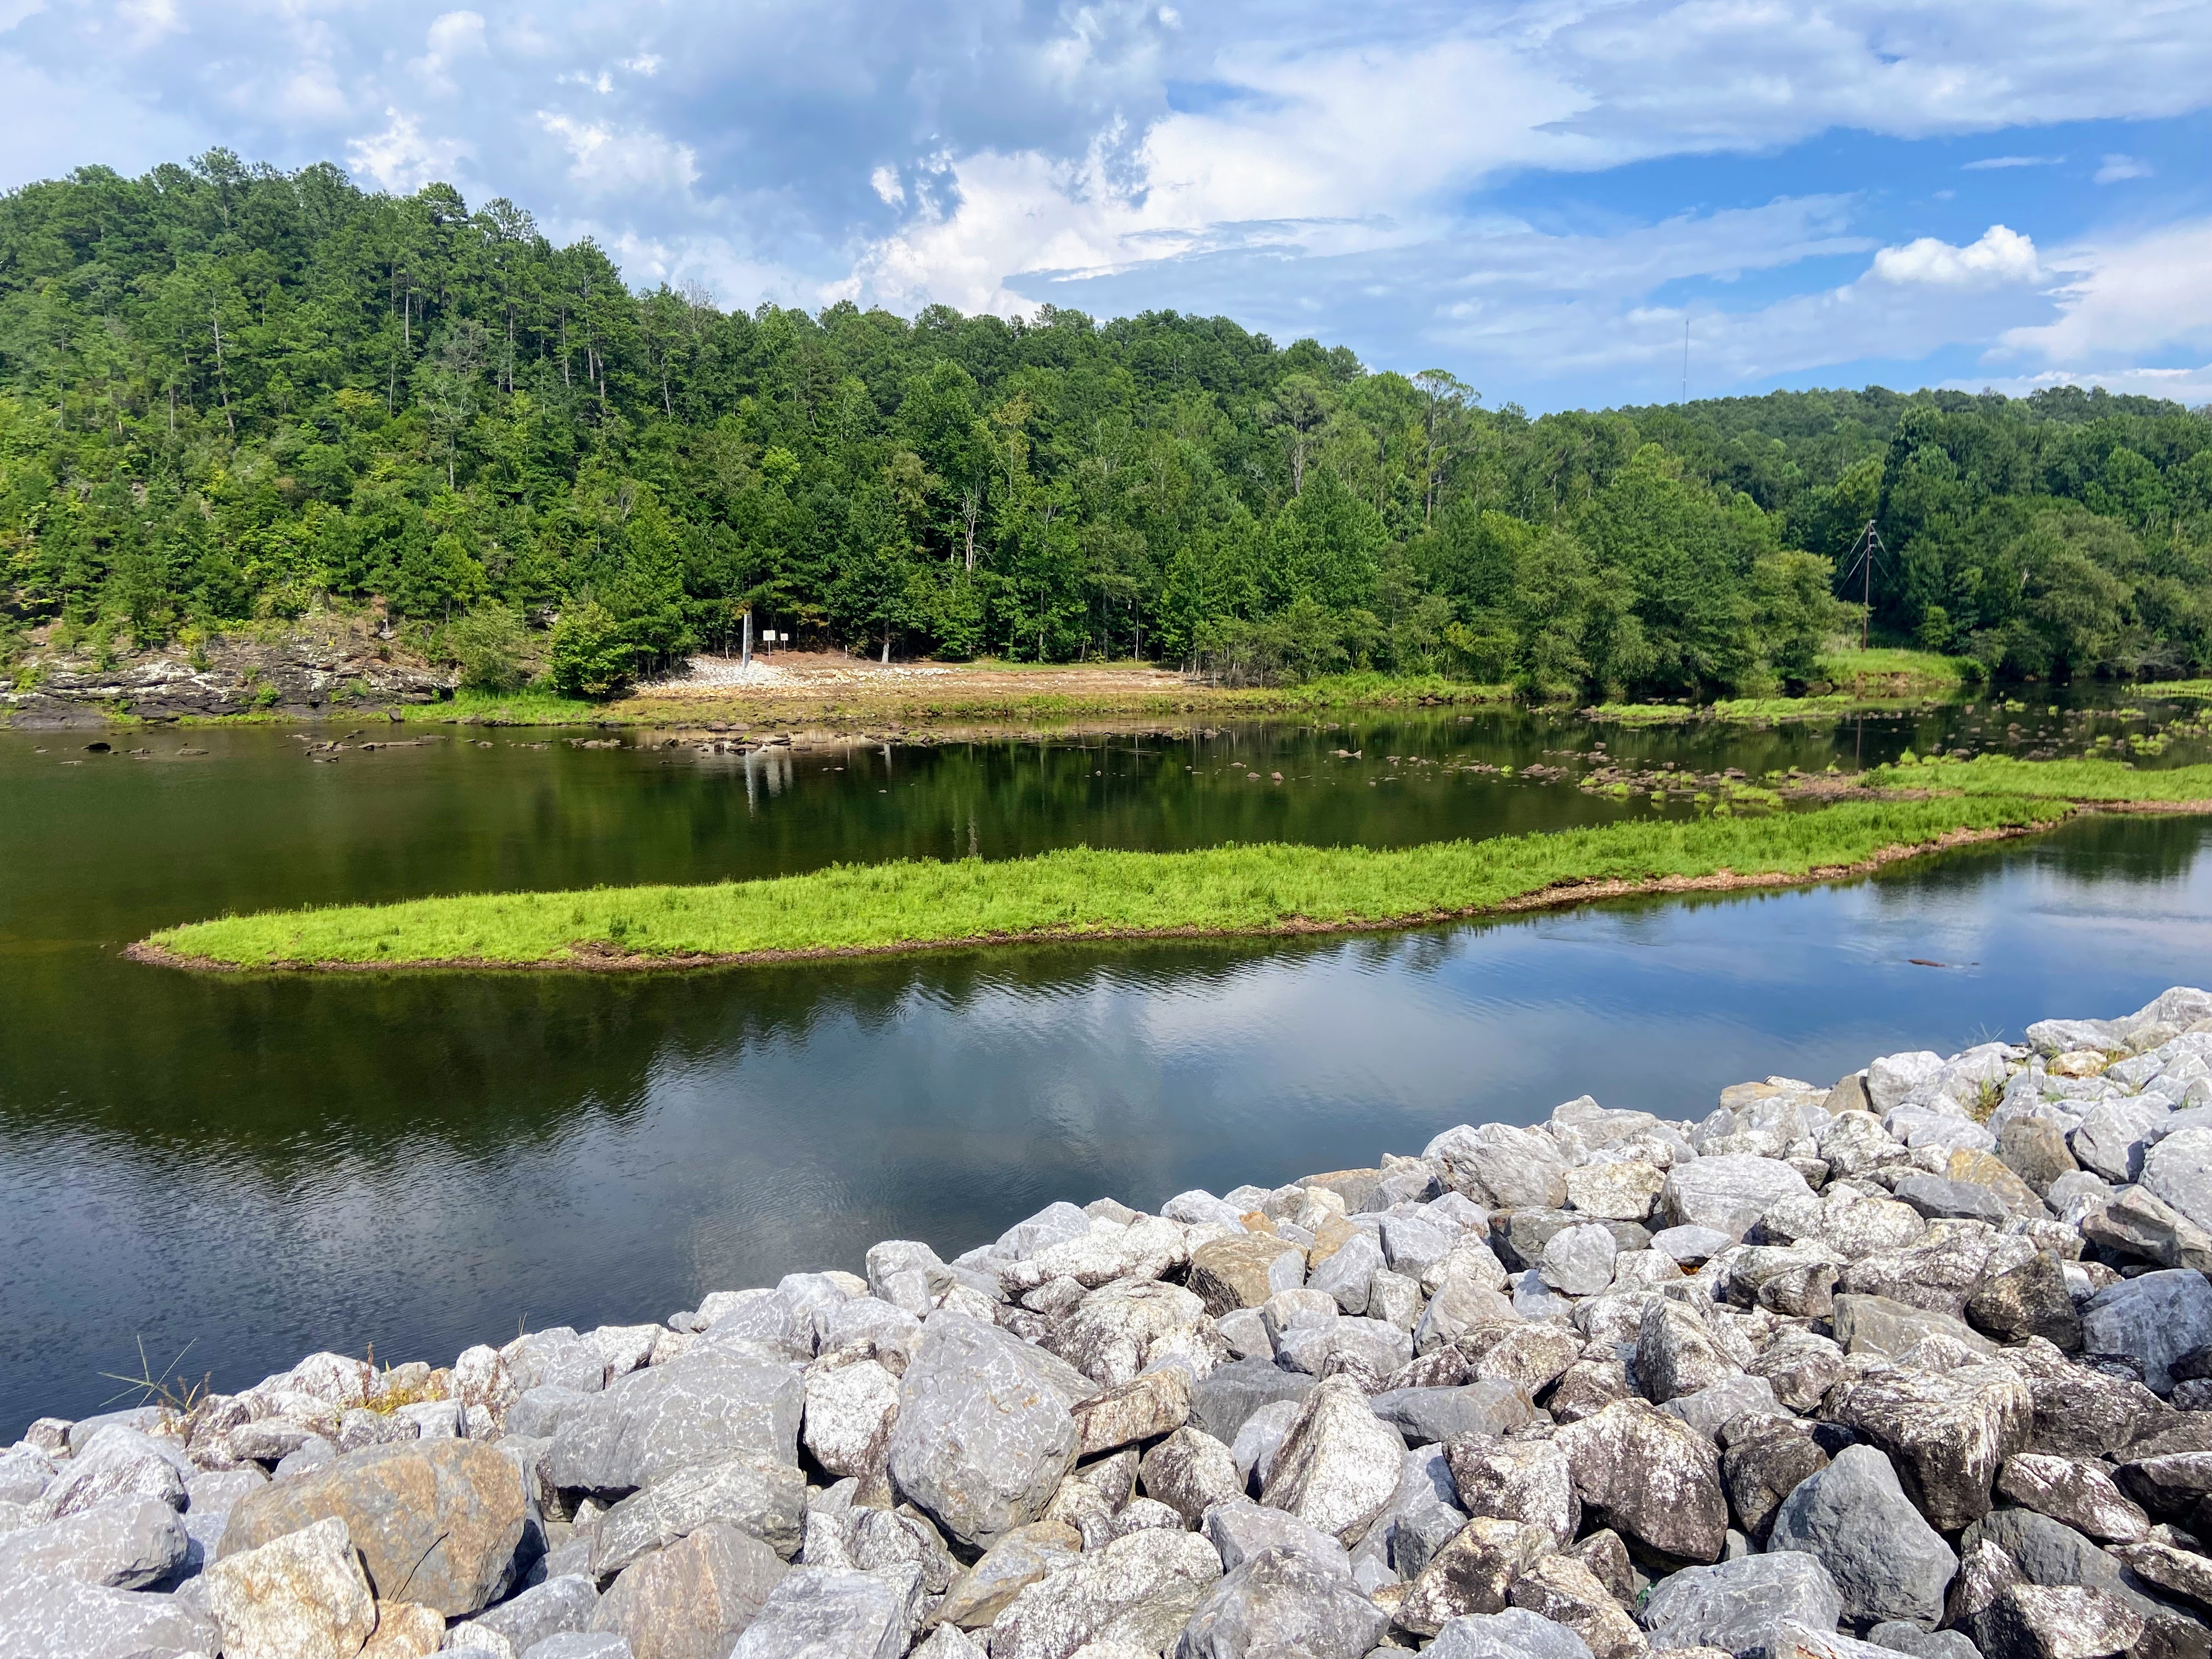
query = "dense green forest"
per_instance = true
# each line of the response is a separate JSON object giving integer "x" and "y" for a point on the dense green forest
{"x": 228, "y": 393}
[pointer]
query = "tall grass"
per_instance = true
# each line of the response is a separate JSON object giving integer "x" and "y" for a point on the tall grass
{"x": 2100, "y": 780}
{"x": 1079, "y": 891}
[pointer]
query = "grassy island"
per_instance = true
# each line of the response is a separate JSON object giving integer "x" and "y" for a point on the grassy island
{"x": 2090, "y": 782}
{"x": 1081, "y": 893}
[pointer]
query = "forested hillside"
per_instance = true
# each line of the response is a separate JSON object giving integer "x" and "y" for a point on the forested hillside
{"x": 226, "y": 392}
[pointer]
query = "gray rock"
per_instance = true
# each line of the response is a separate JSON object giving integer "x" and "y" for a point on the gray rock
{"x": 1767, "y": 1460}
{"x": 1473, "y": 1571}
{"x": 1278, "y": 1599}
{"x": 1140, "y": 1591}
{"x": 1486, "y": 1406}
{"x": 1888, "y": 1563}
{"x": 127, "y": 1543}
{"x": 1875, "y": 1324}
{"x": 1729, "y": 1193}
{"x": 2029, "y": 1300}
{"x": 2154, "y": 1320}
{"x": 1422, "y": 1516}
{"x": 1345, "y": 1274}
{"x": 557, "y": 1607}
{"x": 1691, "y": 1246}
{"x": 1939, "y": 1199}
{"x": 25, "y": 1471}
{"x": 582, "y": 1645}
{"x": 1240, "y": 1529}
{"x": 2179, "y": 1171}
{"x": 1262, "y": 1437}
{"x": 1713, "y": 1407}
{"x": 1339, "y": 1463}
{"x": 2034, "y": 1621}
{"x": 984, "y": 1432}
{"x": 1515, "y": 1633}
{"x": 850, "y": 1408}
{"x": 709, "y": 1403}
{"x": 43, "y": 1618}
{"x": 1892, "y": 1078}
{"x": 1502, "y": 1167}
{"x": 835, "y": 1613}
{"x": 1922, "y": 1643}
{"x": 1579, "y": 1261}
{"x": 1735, "y": 1604}
{"x": 213, "y": 1497}
{"x": 2044, "y": 1551}
{"x": 758, "y": 1495}
{"x": 1222, "y": 1400}
{"x": 2114, "y": 1135}
{"x": 538, "y": 1413}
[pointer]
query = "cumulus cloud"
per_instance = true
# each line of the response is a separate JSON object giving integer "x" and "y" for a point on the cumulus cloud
{"x": 401, "y": 157}
{"x": 2002, "y": 255}
{"x": 2137, "y": 296}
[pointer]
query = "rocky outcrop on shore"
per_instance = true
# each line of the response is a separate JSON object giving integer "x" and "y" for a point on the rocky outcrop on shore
{"x": 311, "y": 670}
{"x": 1918, "y": 1362}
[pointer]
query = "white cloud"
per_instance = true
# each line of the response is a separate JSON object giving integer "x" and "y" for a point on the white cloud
{"x": 2116, "y": 168}
{"x": 401, "y": 159}
{"x": 884, "y": 181}
{"x": 1990, "y": 163}
{"x": 2129, "y": 299}
{"x": 605, "y": 159}
{"x": 2190, "y": 386}
{"x": 2000, "y": 256}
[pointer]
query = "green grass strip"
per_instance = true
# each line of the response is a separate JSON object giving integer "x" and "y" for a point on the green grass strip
{"x": 2101, "y": 781}
{"x": 2175, "y": 689}
{"x": 1260, "y": 889}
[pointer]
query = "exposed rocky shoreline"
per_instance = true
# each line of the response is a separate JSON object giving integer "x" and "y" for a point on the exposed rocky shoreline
{"x": 1920, "y": 1363}
{"x": 335, "y": 668}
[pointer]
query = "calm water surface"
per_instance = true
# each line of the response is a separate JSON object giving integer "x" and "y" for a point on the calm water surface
{"x": 245, "y": 1168}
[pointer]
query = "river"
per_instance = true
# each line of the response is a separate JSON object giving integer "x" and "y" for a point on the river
{"x": 234, "y": 1171}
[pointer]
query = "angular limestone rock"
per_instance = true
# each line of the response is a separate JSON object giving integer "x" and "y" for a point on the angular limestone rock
{"x": 1338, "y": 1464}
{"x": 299, "y": 1597}
{"x": 1650, "y": 1477}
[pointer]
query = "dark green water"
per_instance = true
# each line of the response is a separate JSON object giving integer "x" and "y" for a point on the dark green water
{"x": 248, "y": 1169}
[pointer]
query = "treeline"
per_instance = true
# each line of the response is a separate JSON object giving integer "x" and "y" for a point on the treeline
{"x": 226, "y": 392}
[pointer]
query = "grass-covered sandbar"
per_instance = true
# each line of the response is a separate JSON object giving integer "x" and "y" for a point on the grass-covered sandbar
{"x": 1082, "y": 893}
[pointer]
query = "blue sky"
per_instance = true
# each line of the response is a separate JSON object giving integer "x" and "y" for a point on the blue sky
{"x": 1542, "y": 197}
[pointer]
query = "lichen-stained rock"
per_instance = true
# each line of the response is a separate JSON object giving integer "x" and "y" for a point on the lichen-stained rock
{"x": 2138, "y": 1224}
{"x": 1119, "y": 1328}
{"x": 984, "y": 1432}
{"x": 46, "y": 1618}
{"x": 1523, "y": 1480}
{"x": 1766, "y": 1459}
{"x": 2167, "y": 1483}
{"x": 2080, "y": 1413}
{"x": 1579, "y": 1261}
{"x": 1140, "y": 1591}
{"x": 2153, "y": 1320}
{"x": 1244, "y": 1271}
{"x": 1190, "y": 1472}
{"x": 760, "y": 1497}
{"x": 2075, "y": 1490}
{"x": 1453, "y": 1310}
{"x": 1472, "y": 1572}
{"x": 1649, "y": 1477}
{"x": 115, "y": 1461}
{"x": 1676, "y": 1354}
{"x": 1532, "y": 1354}
{"x": 1946, "y": 1433}
{"x": 850, "y": 1408}
{"x": 555, "y": 1606}
{"x": 815, "y": 1612}
{"x": 1800, "y": 1366}
{"x": 711, "y": 1402}
{"x": 1564, "y": 1590}
{"x": 1003, "y": 1571}
{"x": 435, "y": 1521}
{"x": 1491, "y": 1405}
{"x": 1938, "y": 1274}
{"x": 299, "y": 1597}
{"x": 2055, "y": 1621}
{"x": 1886, "y": 1561}
{"x": 127, "y": 1543}
{"x": 2177, "y": 1572}
{"x": 1728, "y": 1193}
{"x": 1588, "y": 1386}
{"x": 1156, "y": 1403}
{"x": 2029, "y": 1300}
{"x": 1502, "y": 1167}
{"x": 1338, "y": 1464}
{"x": 1734, "y": 1605}
{"x": 1278, "y": 1599}
{"x": 1622, "y": 1191}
